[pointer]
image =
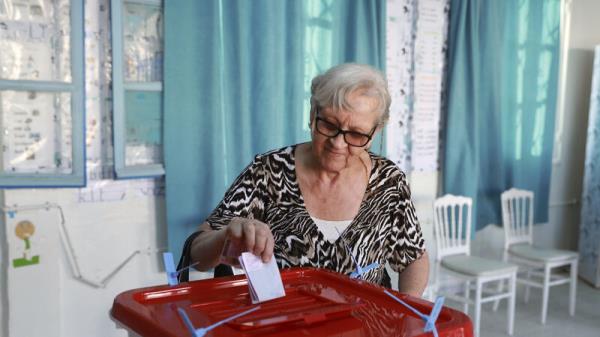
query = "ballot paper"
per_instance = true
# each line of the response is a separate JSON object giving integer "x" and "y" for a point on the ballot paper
{"x": 264, "y": 279}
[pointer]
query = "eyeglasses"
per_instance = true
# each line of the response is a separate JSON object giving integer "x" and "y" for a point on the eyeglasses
{"x": 351, "y": 138}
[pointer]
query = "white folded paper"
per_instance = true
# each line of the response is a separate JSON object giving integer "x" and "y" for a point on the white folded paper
{"x": 264, "y": 279}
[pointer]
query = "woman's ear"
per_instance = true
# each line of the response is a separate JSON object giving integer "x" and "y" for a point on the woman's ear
{"x": 311, "y": 117}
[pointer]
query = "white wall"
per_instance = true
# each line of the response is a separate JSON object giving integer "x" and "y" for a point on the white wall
{"x": 102, "y": 236}
{"x": 581, "y": 33}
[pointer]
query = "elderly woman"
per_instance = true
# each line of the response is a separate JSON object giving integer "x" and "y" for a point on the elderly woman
{"x": 309, "y": 204}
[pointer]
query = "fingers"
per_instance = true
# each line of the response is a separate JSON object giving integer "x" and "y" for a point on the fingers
{"x": 255, "y": 236}
{"x": 249, "y": 239}
{"x": 234, "y": 230}
{"x": 268, "y": 251}
{"x": 264, "y": 242}
{"x": 260, "y": 240}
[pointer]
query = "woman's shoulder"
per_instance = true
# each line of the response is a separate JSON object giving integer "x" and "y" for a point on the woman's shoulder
{"x": 272, "y": 159}
{"x": 283, "y": 152}
{"x": 385, "y": 168}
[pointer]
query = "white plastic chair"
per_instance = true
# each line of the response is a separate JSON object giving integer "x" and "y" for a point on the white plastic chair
{"x": 452, "y": 232}
{"x": 517, "y": 220}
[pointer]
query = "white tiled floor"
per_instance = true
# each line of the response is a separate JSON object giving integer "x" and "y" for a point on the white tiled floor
{"x": 585, "y": 323}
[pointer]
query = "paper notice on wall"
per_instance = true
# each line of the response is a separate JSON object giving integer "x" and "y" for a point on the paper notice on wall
{"x": 399, "y": 73}
{"x": 36, "y": 134}
{"x": 429, "y": 71}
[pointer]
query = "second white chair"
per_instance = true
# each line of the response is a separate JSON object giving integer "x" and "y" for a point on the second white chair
{"x": 537, "y": 263}
{"x": 452, "y": 232}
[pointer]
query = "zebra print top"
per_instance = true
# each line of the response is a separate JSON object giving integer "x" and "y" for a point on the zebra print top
{"x": 385, "y": 229}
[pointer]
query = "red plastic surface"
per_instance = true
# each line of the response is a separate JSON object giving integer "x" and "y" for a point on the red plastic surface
{"x": 317, "y": 303}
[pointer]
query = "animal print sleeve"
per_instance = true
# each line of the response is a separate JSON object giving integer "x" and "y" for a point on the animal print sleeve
{"x": 244, "y": 198}
{"x": 409, "y": 244}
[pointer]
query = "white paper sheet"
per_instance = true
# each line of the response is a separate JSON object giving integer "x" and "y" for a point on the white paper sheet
{"x": 264, "y": 279}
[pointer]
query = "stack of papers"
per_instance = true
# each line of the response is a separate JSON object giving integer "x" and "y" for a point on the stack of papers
{"x": 264, "y": 279}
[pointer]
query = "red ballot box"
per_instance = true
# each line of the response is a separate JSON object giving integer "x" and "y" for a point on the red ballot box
{"x": 317, "y": 303}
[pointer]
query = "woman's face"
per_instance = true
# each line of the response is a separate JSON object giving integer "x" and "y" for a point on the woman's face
{"x": 333, "y": 153}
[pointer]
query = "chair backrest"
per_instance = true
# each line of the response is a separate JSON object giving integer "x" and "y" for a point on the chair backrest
{"x": 452, "y": 225}
{"x": 517, "y": 216}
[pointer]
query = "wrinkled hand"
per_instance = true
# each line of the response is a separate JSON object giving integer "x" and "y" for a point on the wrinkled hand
{"x": 248, "y": 235}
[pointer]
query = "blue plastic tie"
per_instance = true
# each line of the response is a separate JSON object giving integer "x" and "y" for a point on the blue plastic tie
{"x": 170, "y": 268}
{"x": 359, "y": 270}
{"x": 11, "y": 214}
{"x": 200, "y": 332}
{"x": 433, "y": 316}
{"x": 429, "y": 319}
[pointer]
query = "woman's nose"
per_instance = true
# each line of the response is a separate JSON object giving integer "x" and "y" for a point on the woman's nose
{"x": 338, "y": 141}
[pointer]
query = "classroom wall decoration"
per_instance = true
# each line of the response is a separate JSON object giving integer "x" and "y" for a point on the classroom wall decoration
{"x": 416, "y": 44}
{"x": 34, "y": 255}
{"x": 24, "y": 230}
{"x": 98, "y": 100}
{"x": 400, "y": 74}
{"x": 589, "y": 231}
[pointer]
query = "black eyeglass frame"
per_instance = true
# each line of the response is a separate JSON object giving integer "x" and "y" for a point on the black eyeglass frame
{"x": 318, "y": 119}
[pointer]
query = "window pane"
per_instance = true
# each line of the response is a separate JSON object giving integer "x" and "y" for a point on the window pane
{"x": 34, "y": 40}
{"x": 142, "y": 43}
{"x": 143, "y": 125}
{"x": 36, "y": 132}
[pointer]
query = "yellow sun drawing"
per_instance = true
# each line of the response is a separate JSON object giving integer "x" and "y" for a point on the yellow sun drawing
{"x": 24, "y": 229}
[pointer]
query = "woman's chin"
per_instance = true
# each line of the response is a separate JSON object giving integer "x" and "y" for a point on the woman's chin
{"x": 334, "y": 163}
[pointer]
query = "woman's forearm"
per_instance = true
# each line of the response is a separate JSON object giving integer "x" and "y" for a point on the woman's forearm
{"x": 207, "y": 247}
{"x": 413, "y": 279}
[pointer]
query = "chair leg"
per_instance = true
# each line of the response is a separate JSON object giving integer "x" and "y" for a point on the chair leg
{"x": 528, "y": 277}
{"x": 501, "y": 282}
{"x": 477, "y": 316}
{"x": 436, "y": 286}
{"x": 573, "y": 287}
{"x": 466, "y": 297}
{"x": 512, "y": 288}
{"x": 546, "y": 291}
{"x": 499, "y": 290}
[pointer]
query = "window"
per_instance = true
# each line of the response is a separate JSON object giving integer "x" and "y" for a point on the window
{"x": 137, "y": 28}
{"x": 42, "y": 94}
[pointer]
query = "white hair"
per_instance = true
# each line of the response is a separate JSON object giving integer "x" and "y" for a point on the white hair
{"x": 331, "y": 88}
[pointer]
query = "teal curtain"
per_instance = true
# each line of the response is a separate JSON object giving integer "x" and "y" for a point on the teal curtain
{"x": 236, "y": 83}
{"x": 501, "y": 100}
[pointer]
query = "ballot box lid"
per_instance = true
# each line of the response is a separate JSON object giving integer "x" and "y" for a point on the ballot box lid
{"x": 318, "y": 302}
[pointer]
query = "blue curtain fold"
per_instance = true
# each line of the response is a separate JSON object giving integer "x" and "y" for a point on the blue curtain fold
{"x": 501, "y": 100}
{"x": 235, "y": 85}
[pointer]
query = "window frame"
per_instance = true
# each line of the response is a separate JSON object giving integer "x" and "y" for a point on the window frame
{"x": 77, "y": 177}
{"x": 123, "y": 171}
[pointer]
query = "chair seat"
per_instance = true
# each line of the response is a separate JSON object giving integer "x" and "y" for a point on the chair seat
{"x": 527, "y": 251}
{"x": 477, "y": 266}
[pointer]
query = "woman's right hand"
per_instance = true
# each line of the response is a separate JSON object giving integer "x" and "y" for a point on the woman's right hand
{"x": 248, "y": 235}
